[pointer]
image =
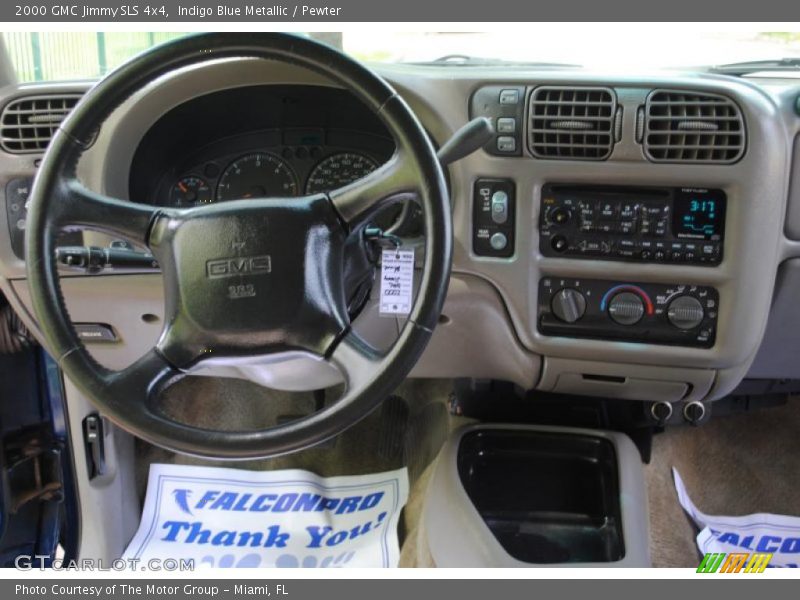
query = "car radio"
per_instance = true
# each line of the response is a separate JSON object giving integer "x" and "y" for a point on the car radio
{"x": 641, "y": 224}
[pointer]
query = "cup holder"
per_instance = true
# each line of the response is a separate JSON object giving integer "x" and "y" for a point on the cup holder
{"x": 546, "y": 497}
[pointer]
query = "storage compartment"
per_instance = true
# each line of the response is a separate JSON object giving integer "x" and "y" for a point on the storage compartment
{"x": 625, "y": 381}
{"x": 547, "y": 497}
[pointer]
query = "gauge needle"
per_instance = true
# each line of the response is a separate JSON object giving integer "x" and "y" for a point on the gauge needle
{"x": 182, "y": 187}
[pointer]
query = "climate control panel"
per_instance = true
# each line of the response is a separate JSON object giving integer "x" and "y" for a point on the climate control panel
{"x": 651, "y": 313}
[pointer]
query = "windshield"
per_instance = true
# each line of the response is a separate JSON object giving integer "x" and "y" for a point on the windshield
{"x": 47, "y": 56}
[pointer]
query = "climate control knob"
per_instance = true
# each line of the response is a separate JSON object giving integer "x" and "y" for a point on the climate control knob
{"x": 568, "y": 305}
{"x": 626, "y": 308}
{"x": 685, "y": 312}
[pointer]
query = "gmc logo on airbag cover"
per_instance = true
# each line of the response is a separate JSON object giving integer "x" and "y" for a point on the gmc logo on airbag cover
{"x": 238, "y": 265}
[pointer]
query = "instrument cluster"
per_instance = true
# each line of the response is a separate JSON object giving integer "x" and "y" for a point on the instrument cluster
{"x": 277, "y": 164}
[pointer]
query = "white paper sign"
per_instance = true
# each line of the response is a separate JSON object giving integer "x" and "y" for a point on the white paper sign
{"x": 761, "y": 532}
{"x": 397, "y": 282}
{"x": 292, "y": 518}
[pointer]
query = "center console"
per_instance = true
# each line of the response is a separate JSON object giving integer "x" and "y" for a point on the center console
{"x": 518, "y": 496}
{"x": 643, "y": 224}
{"x": 684, "y": 225}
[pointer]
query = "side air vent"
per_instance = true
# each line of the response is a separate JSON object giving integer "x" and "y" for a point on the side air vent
{"x": 691, "y": 127}
{"x": 28, "y": 124}
{"x": 576, "y": 123}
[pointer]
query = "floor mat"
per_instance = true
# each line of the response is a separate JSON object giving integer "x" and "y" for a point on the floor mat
{"x": 734, "y": 465}
{"x": 406, "y": 430}
{"x": 287, "y": 518}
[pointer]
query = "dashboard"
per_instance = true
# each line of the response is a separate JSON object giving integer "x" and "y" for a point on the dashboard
{"x": 631, "y": 237}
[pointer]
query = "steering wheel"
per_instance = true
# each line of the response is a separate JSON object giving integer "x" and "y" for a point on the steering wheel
{"x": 245, "y": 281}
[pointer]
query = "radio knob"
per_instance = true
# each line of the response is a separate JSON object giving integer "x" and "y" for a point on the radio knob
{"x": 568, "y": 305}
{"x": 626, "y": 308}
{"x": 685, "y": 312}
{"x": 559, "y": 215}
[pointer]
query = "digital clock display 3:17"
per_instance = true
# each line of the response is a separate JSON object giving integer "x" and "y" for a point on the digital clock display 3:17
{"x": 699, "y": 214}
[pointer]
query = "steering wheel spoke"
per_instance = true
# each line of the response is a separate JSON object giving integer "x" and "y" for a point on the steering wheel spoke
{"x": 355, "y": 358}
{"x": 80, "y": 207}
{"x": 141, "y": 381}
{"x": 391, "y": 182}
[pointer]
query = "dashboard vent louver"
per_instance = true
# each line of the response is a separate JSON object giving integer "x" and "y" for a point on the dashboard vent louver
{"x": 692, "y": 127}
{"x": 27, "y": 124}
{"x": 575, "y": 123}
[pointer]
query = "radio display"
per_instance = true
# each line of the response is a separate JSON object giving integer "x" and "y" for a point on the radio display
{"x": 699, "y": 214}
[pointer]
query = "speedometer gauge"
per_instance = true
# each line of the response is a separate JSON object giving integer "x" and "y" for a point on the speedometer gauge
{"x": 339, "y": 170}
{"x": 259, "y": 175}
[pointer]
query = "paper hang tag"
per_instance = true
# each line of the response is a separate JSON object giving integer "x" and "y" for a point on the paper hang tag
{"x": 397, "y": 282}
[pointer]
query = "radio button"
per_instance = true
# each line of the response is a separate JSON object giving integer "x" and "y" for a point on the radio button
{"x": 606, "y": 228}
{"x": 559, "y": 215}
{"x": 628, "y": 212}
{"x": 590, "y": 246}
{"x": 608, "y": 211}
{"x": 559, "y": 243}
{"x": 627, "y": 227}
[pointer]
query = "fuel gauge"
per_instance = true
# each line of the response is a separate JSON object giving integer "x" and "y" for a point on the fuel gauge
{"x": 190, "y": 191}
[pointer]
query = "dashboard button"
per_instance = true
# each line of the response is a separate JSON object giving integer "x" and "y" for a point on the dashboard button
{"x": 509, "y": 96}
{"x": 608, "y": 211}
{"x": 500, "y": 207}
{"x": 559, "y": 215}
{"x": 559, "y": 243}
{"x": 498, "y": 241}
{"x": 506, "y": 143}
{"x": 506, "y": 125}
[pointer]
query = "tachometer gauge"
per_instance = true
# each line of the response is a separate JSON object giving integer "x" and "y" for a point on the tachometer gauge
{"x": 338, "y": 170}
{"x": 259, "y": 175}
{"x": 189, "y": 191}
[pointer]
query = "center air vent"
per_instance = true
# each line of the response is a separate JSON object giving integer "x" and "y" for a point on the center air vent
{"x": 572, "y": 123}
{"x": 28, "y": 124}
{"x": 692, "y": 127}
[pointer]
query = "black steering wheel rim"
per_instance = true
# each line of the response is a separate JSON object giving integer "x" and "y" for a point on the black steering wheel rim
{"x": 57, "y": 199}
